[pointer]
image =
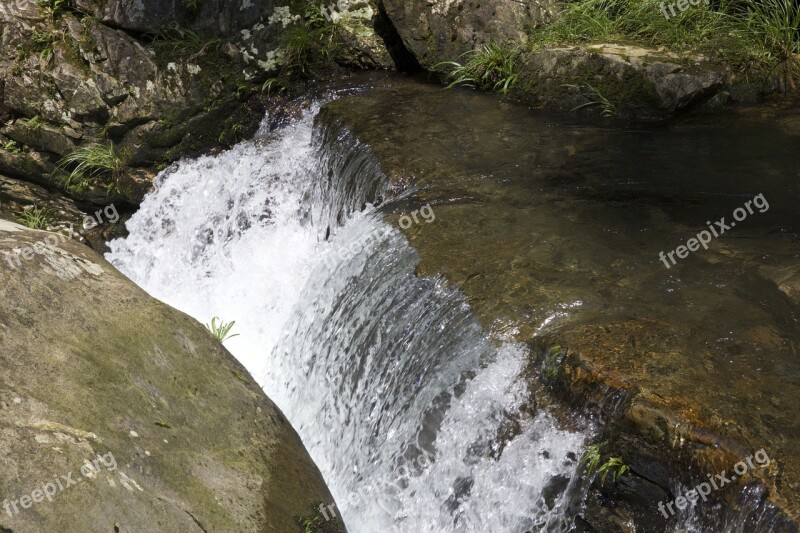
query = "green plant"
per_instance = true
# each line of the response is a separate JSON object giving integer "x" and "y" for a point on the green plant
{"x": 56, "y": 6}
{"x": 592, "y": 458}
{"x": 12, "y": 147}
{"x": 719, "y": 28}
{"x": 550, "y": 365}
{"x": 191, "y": 5}
{"x": 221, "y": 330}
{"x": 37, "y": 218}
{"x": 597, "y": 99}
{"x": 93, "y": 162}
{"x": 491, "y": 68}
{"x": 34, "y": 122}
{"x": 305, "y": 43}
{"x": 274, "y": 86}
{"x": 177, "y": 43}
{"x": 776, "y": 25}
{"x": 614, "y": 466}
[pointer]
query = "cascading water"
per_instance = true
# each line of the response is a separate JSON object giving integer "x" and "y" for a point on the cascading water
{"x": 418, "y": 420}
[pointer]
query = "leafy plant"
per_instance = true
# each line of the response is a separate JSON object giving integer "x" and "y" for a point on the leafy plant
{"x": 221, "y": 330}
{"x": 608, "y": 109}
{"x": 614, "y": 466}
{"x": 491, "y": 68}
{"x": 12, "y": 147}
{"x": 550, "y": 365}
{"x": 93, "y": 162}
{"x": 37, "y": 218}
{"x": 591, "y": 457}
{"x": 34, "y": 122}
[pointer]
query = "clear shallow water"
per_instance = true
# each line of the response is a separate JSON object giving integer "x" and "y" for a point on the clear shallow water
{"x": 417, "y": 419}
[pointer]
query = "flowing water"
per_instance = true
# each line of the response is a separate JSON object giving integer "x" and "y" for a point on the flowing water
{"x": 418, "y": 420}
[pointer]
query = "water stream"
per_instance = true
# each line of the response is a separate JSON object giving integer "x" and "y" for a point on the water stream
{"x": 419, "y": 420}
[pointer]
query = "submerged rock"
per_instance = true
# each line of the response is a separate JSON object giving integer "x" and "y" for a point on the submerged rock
{"x": 119, "y": 413}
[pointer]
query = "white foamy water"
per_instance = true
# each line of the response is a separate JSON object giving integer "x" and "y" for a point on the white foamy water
{"x": 417, "y": 419}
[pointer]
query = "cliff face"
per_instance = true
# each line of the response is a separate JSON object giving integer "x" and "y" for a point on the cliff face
{"x": 177, "y": 435}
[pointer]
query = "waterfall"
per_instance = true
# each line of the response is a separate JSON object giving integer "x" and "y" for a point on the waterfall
{"x": 418, "y": 419}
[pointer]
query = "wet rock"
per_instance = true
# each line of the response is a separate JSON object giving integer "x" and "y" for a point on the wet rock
{"x": 94, "y": 370}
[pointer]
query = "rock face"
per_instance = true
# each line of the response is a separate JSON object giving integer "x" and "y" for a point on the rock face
{"x": 152, "y": 421}
{"x": 68, "y": 79}
{"x": 443, "y": 30}
{"x": 159, "y": 80}
{"x": 218, "y": 17}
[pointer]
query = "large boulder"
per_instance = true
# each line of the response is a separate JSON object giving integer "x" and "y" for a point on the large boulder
{"x": 119, "y": 413}
{"x": 446, "y": 29}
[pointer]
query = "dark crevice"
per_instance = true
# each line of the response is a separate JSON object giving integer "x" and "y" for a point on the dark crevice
{"x": 403, "y": 59}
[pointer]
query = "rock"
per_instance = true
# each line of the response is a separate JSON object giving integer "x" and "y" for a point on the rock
{"x": 17, "y": 194}
{"x": 158, "y": 427}
{"x": 444, "y": 30}
{"x": 361, "y": 46}
{"x": 41, "y": 137}
{"x": 215, "y": 17}
{"x": 636, "y": 81}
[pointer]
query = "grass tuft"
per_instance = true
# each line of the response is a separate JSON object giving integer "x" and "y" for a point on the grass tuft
{"x": 97, "y": 162}
{"x": 491, "y": 68}
{"x": 221, "y": 330}
{"x": 37, "y": 218}
{"x": 607, "y": 109}
{"x": 775, "y": 24}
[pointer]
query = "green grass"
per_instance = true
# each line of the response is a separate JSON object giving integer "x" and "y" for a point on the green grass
{"x": 221, "y": 329}
{"x": 752, "y": 36}
{"x": 37, "y": 218}
{"x": 96, "y": 163}
{"x": 491, "y": 68}
{"x": 174, "y": 43}
{"x": 775, "y": 24}
{"x": 607, "y": 108}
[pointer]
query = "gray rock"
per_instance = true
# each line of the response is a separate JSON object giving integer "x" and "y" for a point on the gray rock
{"x": 443, "y": 30}
{"x": 93, "y": 369}
{"x": 216, "y": 17}
{"x": 628, "y": 80}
